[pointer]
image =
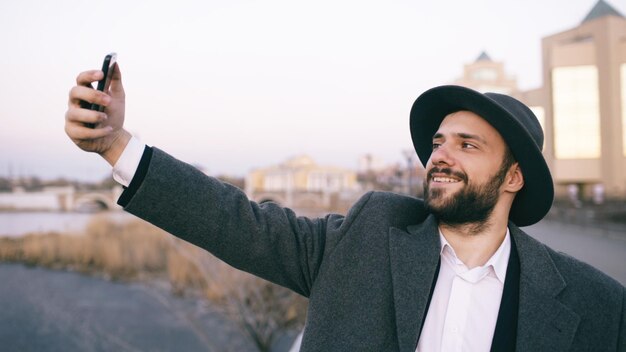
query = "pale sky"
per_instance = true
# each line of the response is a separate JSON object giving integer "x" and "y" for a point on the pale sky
{"x": 237, "y": 84}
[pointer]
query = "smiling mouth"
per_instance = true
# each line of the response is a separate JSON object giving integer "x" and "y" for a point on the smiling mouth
{"x": 441, "y": 179}
{"x": 445, "y": 176}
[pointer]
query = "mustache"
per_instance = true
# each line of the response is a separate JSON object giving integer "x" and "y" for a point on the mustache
{"x": 446, "y": 171}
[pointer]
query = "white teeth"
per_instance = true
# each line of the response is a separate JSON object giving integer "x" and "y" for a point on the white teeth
{"x": 444, "y": 179}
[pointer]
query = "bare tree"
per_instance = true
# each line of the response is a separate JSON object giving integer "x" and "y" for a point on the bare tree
{"x": 261, "y": 308}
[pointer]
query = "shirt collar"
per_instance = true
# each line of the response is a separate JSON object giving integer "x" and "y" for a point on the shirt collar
{"x": 499, "y": 260}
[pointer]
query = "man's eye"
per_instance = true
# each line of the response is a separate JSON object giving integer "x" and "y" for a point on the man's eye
{"x": 436, "y": 145}
{"x": 468, "y": 145}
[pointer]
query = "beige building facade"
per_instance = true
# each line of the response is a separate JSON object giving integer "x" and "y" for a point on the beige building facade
{"x": 300, "y": 183}
{"x": 487, "y": 75}
{"x": 584, "y": 103}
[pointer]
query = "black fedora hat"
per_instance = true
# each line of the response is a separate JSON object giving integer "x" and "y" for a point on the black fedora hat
{"x": 517, "y": 125}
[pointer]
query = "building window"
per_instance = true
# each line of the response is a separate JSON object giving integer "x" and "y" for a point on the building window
{"x": 576, "y": 102}
{"x": 276, "y": 182}
{"x": 485, "y": 74}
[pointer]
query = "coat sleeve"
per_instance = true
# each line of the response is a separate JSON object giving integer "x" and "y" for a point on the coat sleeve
{"x": 266, "y": 240}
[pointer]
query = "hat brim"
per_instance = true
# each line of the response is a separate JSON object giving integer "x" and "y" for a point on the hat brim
{"x": 535, "y": 198}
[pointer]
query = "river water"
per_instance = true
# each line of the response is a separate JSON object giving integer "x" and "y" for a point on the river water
{"x": 14, "y": 224}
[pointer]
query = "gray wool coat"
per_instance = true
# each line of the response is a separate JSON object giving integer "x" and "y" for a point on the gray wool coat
{"x": 368, "y": 274}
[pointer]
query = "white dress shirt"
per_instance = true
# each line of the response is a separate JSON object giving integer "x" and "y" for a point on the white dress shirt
{"x": 465, "y": 303}
{"x": 126, "y": 166}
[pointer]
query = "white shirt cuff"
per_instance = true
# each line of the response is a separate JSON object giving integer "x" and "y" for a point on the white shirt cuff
{"x": 126, "y": 166}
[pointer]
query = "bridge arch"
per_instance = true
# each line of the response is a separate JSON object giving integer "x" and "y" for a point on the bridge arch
{"x": 93, "y": 202}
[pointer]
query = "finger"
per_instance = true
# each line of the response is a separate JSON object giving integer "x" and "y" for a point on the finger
{"x": 84, "y": 116}
{"x": 80, "y": 93}
{"x": 82, "y": 133}
{"x": 116, "y": 86}
{"x": 86, "y": 78}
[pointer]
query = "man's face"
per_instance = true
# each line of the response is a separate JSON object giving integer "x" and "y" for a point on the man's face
{"x": 465, "y": 170}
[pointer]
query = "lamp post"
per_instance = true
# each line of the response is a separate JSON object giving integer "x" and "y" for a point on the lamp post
{"x": 409, "y": 154}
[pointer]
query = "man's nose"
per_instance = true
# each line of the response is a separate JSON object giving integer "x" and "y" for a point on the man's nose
{"x": 441, "y": 156}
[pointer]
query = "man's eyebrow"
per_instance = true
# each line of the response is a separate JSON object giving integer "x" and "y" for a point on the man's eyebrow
{"x": 438, "y": 135}
{"x": 462, "y": 135}
{"x": 471, "y": 136}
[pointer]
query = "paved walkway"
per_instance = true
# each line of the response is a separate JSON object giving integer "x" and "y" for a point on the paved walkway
{"x": 603, "y": 249}
{"x": 45, "y": 310}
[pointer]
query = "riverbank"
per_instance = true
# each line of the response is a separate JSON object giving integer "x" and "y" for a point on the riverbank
{"x": 19, "y": 223}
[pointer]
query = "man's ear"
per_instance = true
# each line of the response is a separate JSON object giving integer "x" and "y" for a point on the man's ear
{"x": 514, "y": 179}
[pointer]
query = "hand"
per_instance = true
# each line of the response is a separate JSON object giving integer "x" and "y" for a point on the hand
{"x": 108, "y": 138}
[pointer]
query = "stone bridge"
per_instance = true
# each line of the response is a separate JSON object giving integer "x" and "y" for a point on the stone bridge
{"x": 61, "y": 199}
{"x": 96, "y": 200}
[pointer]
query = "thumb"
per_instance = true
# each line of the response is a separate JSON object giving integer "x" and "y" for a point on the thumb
{"x": 116, "y": 86}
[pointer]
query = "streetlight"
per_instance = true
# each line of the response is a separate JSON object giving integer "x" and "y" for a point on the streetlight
{"x": 409, "y": 154}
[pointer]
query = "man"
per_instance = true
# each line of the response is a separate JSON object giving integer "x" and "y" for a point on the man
{"x": 395, "y": 274}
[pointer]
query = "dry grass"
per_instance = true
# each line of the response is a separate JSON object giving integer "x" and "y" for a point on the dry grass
{"x": 119, "y": 251}
{"x": 137, "y": 250}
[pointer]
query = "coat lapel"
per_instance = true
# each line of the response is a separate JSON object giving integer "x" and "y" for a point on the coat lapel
{"x": 414, "y": 255}
{"x": 544, "y": 323}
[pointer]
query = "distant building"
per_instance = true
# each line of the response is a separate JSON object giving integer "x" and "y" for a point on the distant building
{"x": 486, "y": 75}
{"x": 584, "y": 101}
{"x": 371, "y": 163}
{"x": 581, "y": 105}
{"x": 301, "y": 184}
{"x": 399, "y": 178}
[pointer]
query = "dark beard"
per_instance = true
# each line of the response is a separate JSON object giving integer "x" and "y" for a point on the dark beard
{"x": 471, "y": 205}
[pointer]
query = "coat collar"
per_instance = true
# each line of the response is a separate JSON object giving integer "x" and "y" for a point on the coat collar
{"x": 414, "y": 255}
{"x": 544, "y": 323}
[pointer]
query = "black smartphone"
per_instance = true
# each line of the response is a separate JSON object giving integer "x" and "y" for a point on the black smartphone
{"x": 104, "y": 83}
